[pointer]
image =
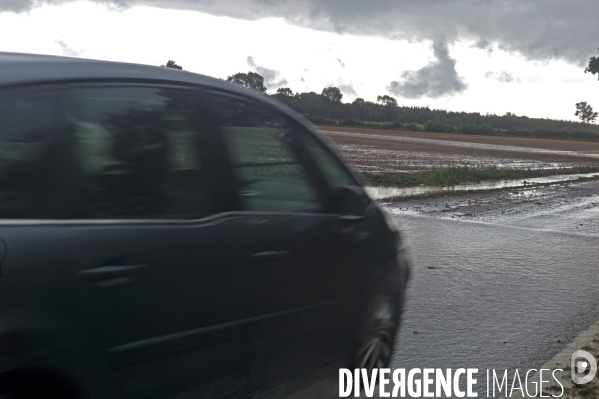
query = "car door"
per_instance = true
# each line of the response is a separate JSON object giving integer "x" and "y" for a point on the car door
{"x": 302, "y": 258}
{"x": 134, "y": 239}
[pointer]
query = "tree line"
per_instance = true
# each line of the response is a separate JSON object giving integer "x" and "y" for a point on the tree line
{"x": 327, "y": 108}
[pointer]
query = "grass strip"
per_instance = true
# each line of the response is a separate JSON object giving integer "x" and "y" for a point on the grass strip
{"x": 452, "y": 175}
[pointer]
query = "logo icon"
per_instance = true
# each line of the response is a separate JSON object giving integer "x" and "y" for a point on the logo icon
{"x": 579, "y": 367}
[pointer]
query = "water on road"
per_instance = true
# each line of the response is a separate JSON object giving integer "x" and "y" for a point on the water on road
{"x": 382, "y": 192}
{"x": 495, "y": 295}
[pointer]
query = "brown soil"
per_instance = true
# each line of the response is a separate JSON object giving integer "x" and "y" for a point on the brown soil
{"x": 388, "y": 150}
{"x": 550, "y": 144}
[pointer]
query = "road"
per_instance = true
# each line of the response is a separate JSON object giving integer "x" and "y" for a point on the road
{"x": 499, "y": 292}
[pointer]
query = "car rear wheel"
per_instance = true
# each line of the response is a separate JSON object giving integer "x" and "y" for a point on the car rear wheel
{"x": 378, "y": 334}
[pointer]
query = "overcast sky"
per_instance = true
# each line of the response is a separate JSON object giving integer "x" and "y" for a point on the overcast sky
{"x": 521, "y": 56}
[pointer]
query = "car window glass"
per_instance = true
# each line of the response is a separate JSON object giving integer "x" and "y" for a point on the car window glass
{"x": 121, "y": 153}
{"x": 269, "y": 174}
{"x": 335, "y": 174}
{"x": 142, "y": 152}
{"x": 25, "y": 131}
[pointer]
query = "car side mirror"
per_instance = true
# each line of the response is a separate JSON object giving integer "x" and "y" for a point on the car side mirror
{"x": 351, "y": 200}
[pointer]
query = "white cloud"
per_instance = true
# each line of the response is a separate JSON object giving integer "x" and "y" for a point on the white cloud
{"x": 272, "y": 78}
{"x": 67, "y": 50}
{"x": 502, "y": 76}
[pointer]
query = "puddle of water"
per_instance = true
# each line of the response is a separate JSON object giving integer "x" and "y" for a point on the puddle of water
{"x": 523, "y": 194}
{"x": 379, "y": 192}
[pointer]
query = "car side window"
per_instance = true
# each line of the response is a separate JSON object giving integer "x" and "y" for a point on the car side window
{"x": 143, "y": 152}
{"x": 123, "y": 153}
{"x": 268, "y": 170}
{"x": 335, "y": 174}
{"x": 28, "y": 122}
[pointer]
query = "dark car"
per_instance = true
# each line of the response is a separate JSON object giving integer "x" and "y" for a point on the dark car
{"x": 166, "y": 234}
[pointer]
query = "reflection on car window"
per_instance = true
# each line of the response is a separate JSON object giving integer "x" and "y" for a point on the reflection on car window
{"x": 335, "y": 174}
{"x": 269, "y": 174}
{"x": 25, "y": 131}
{"x": 117, "y": 153}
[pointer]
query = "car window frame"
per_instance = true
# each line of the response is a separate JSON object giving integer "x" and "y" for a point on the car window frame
{"x": 230, "y": 204}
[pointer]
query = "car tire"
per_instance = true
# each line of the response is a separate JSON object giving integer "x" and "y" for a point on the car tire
{"x": 380, "y": 324}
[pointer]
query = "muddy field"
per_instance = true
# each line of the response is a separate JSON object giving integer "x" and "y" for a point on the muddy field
{"x": 372, "y": 150}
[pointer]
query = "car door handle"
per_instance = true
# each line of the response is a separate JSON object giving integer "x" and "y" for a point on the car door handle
{"x": 351, "y": 218}
{"x": 110, "y": 276}
{"x": 348, "y": 223}
{"x": 268, "y": 256}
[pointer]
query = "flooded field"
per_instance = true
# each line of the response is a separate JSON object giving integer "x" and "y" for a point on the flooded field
{"x": 381, "y": 193}
{"x": 398, "y": 151}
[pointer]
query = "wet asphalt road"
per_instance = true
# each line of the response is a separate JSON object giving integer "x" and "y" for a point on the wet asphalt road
{"x": 497, "y": 295}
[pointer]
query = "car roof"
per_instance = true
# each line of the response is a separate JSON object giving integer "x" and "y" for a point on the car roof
{"x": 24, "y": 69}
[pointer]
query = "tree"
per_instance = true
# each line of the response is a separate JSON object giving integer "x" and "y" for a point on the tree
{"x": 332, "y": 94}
{"x": 332, "y": 99}
{"x": 172, "y": 64}
{"x": 251, "y": 80}
{"x": 585, "y": 112}
{"x": 358, "y": 103}
{"x": 310, "y": 103}
{"x": 386, "y": 101}
{"x": 593, "y": 66}
{"x": 358, "y": 108}
{"x": 286, "y": 91}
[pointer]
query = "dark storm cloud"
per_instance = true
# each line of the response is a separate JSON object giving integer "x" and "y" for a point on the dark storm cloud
{"x": 538, "y": 29}
{"x": 503, "y": 77}
{"x": 16, "y": 5}
{"x": 271, "y": 77}
{"x": 26, "y": 5}
{"x": 437, "y": 79}
{"x": 67, "y": 50}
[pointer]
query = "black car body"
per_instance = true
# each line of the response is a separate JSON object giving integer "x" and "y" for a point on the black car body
{"x": 163, "y": 232}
